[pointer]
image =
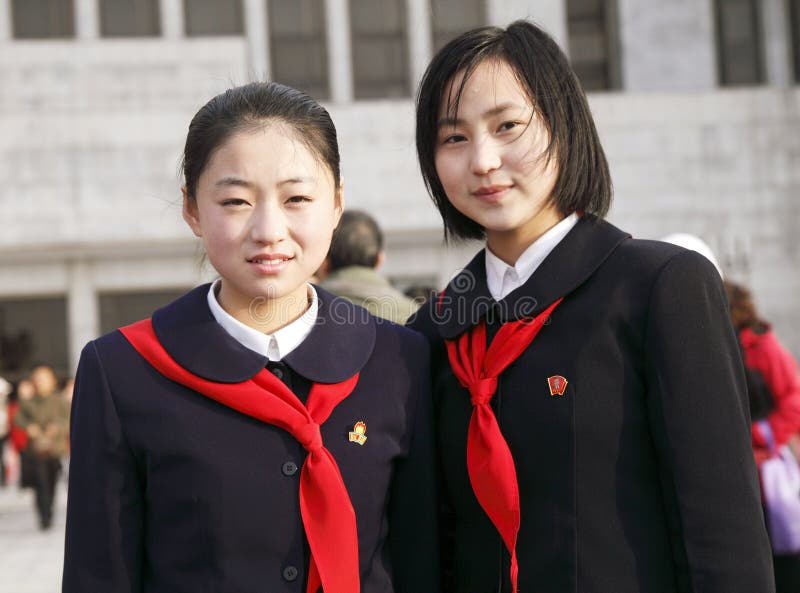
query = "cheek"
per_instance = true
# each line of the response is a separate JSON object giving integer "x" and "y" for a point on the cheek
{"x": 315, "y": 230}
{"x": 530, "y": 161}
{"x": 447, "y": 168}
{"x": 221, "y": 235}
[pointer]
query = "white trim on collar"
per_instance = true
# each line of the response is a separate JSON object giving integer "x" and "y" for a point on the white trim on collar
{"x": 274, "y": 346}
{"x": 502, "y": 279}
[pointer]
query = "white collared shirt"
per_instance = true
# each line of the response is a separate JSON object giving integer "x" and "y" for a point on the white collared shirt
{"x": 502, "y": 278}
{"x": 274, "y": 346}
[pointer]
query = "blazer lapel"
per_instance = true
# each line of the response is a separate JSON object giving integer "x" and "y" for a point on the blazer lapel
{"x": 467, "y": 298}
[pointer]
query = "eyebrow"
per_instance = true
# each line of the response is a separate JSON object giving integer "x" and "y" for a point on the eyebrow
{"x": 456, "y": 121}
{"x": 293, "y": 180}
{"x": 238, "y": 182}
{"x": 227, "y": 181}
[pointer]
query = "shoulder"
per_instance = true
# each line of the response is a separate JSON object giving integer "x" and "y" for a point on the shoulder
{"x": 185, "y": 310}
{"x": 107, "y": 346}
{"x": 103, "y": 358}
{"x": 646, "y": 254}
{"x": 663, "y": 263}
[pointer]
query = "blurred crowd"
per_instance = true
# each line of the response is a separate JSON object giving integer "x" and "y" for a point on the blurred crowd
{"x": 34, "y": 435}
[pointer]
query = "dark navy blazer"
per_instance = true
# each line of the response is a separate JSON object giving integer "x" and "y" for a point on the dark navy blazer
{"x": 640, "y": 477}
{"x": 171, "y": 492}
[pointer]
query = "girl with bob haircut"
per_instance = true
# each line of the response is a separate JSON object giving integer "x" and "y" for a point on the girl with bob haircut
{"x": 592, "y": 412}
{"x": 258, "y": 434}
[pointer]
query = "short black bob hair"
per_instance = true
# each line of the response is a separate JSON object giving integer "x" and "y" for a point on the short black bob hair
{"x": 583, "y": 183}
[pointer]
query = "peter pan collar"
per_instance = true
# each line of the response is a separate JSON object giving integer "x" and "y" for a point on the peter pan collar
{"x": 339, "y": 344}
{"x": 276, "y": 345}
{"x": 576, "y": 257}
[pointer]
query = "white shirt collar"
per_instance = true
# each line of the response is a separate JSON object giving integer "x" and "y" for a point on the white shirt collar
{"x": 503, "y": 279}
{"x": 274, "y": 346}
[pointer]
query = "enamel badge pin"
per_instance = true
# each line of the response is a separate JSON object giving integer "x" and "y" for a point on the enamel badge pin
{"x": 357, "y": 435}
{"x": 557, "y": 384}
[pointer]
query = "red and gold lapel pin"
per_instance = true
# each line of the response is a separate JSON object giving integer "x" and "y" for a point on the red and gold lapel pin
{"x": 357, "y": 435}
{"x": 557, "y": 384}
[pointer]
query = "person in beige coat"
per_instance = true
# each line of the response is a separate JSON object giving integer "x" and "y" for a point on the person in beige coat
{"x": 355, "y": 255}
{"x": 45, "y": 418}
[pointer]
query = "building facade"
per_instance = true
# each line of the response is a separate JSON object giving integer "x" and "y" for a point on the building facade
{"x": 697, "y": 103}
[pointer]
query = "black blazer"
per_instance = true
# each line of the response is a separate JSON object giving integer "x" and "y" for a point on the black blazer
{"x": 171, "y": 492}
{"x": 640, "y": 478}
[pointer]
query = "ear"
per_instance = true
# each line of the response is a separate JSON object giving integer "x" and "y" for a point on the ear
{"x": 338, "y": 202}
{"x": 190, "y": 213}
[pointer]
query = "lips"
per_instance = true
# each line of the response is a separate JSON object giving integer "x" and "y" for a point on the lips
{"x": 491, "y": 193}
{"x": 269, "y": 263}
{"x": 274, "y": 261}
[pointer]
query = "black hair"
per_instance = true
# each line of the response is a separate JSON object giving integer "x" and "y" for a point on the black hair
{"x": 250, "y": 107}
{"x": 542, "y": 70}
{"x": 357, "y": 241}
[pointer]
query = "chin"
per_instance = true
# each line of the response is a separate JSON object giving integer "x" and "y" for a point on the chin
{"x": 502, "y": 226}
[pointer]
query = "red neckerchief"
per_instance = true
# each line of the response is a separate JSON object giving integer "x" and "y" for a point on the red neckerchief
{"x": 325, "y": 507}
{"x": 489, "y": 461}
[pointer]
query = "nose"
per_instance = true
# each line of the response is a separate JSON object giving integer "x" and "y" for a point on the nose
{"x": 268, "y": 224}
{"x": 485, "y": 156}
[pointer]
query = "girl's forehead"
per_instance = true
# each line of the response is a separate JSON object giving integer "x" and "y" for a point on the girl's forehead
{"x": 265, "y": 156}
{"x": 491, "y": 82}
{"x": 267, "y": 148}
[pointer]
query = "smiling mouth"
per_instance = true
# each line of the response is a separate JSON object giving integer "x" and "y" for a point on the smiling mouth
{"x": 269, "y": 265}
{"x": 491, "y": 194}
{"x": 269, "y": 262}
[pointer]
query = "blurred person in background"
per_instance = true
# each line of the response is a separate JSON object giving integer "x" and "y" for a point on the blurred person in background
{"x": 352, "y": 265}
{"x": 5, "y": 425}
{"x": 45, "y": 419}
{"x": 68, "y": 390}
{"x": 774, "y": 388}
{"x": 23, "y": 391}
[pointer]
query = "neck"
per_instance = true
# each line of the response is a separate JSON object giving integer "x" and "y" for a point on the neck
{"x": 510, "y": 244}
{"x": 264, "y": 314}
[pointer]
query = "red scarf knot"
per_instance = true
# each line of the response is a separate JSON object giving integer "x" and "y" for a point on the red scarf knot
{"x": 482, "y": 390}
{"x": 309, "y": 436}
{"x": 489, "y": 461}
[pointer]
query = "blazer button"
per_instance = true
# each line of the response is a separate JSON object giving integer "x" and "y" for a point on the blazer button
{"x": 289, "y": 468}
{"x": 277, "y": 372}
{"x": 290, "y": 573}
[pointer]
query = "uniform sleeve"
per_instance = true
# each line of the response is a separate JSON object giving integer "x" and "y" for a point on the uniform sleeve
{"x": 413, "y": 523}
{"x": 699, "y": 415}
{"x": 103, "y": 550}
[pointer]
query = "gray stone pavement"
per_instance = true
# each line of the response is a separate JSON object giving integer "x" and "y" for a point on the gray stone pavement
{"x": 30, "y": 560}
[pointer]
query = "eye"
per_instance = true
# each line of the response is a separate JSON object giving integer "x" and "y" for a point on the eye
{"x": 234, "y": 202}
{"x": 452, "y": 139}
{"x": 298, "y": 199}
{"x": 508, "y": 125}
